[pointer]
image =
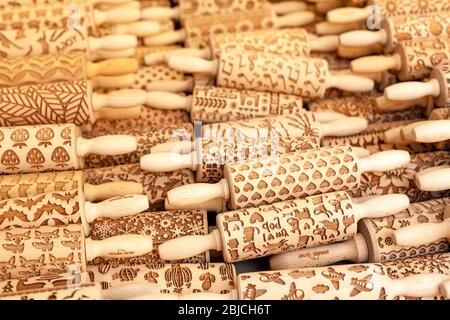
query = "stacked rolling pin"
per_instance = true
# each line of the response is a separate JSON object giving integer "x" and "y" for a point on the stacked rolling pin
{"x": 158, "y": 150}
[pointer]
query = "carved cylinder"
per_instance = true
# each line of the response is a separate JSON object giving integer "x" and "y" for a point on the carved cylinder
{"x": 408, "y": 7}
{"x": 195, "y": 8}
{"x": 84, "y": 292}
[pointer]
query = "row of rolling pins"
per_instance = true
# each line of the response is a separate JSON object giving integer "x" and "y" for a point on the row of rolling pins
{"x": 338, "y": 183}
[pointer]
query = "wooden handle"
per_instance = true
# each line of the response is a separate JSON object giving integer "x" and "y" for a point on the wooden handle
{"x": 417, "y": 285}
{"x": 111, "y": 67}
{"x": 284, "y": 7}
{"x": 330, "y": 28}
{"x": 433, "y": 179}
{"x": 111, "y": 189}
{"x": 411, "y": 90}
{"x": 197, "y": 193}
{"x": 344, "y": 127}
{"x": 295, "y": 19}
{"x": 117, "y": 15}
{"x": 139, "y": 28}
{"x": 189, "y": 246}
{"x": 444, "y": 289}
{"x": 124, "y": 98}
{"x": 113, "y": 42}
{"x": 400, "y": 135}
{"x": 363, "y": 38}
{"x": 376, "y": 63}
{"x": 160, "y": 13}
{"x": 348, "y": 14}
{"x": 106, "y": 145}
{"x": 110, "y": 54}
{"x": 422, "y": 233}
{"x": 116, "y": 207}
{"x": 168, "y": 101}
{"x": 349, "y": 82}
{"x": 384, "y": 104}
{"x": 118, "y": 113}
{"x": 163, "y": 57}
{"x": 354, "y": 250}
{"x": 130, "y": 290}
{"x": 175, "y": 86}
{"x": 324, "y": 44}
{"x": 431, "y": 131}
{"x": 328, "y": 116}
{"x": 168, "y": 161}
{"x": 385, "y": 161}
{"x": 193, "y": 65}
{"x": 166, "y": 38}
{"x": 181, "y": 147}
{"x": 123, "y": 246}
{"x": 114, "y": 82}
{"x": 381, "y": 206}
{"x": 213, "y": 205}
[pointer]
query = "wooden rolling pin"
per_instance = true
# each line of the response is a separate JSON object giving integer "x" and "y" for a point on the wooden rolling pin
{"x": 234, "y": 142}
{"x": 425, "y": 233}
{"x": 196, "y": 31}
{"x": 257, "y": 232}
{"x": 34, "y": 42}
{"x": 386, "y": 8}
{"x": 154, "y": 185}
{"x": 400, "y": 28}
{"x": 32, "y": 184}
{"x": 161, "y": 226}
{"x": 191, "y": 9}
{"x": 61, "y": 67}
{"x": 292, "y": 41}
{"x": 374, "y": 241}
{"x": 50, "y": 250}
{"x": 54, "y": 147}
{"x": 411, "y": 60}
{"x": 179, "y": 278}
{"x": 433, "y": 179}
{"x": 427, "y": 131}
{"x": 303, "y": 76}
{"x": 288, "y": 176}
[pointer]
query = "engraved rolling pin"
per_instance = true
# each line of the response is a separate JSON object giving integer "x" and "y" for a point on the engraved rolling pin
{"x": 292, "y": 41}
{"x": 54, "y": 147}
{"x": 303, "y": 76}
{"x": 373, "y": 242}
{"x": 284, "y": 226}
{"x": 396, "y": 29}
{"x": 411, "y": 60}
{"x": 386, "y": 8}
{"x": 62, "y": 67}
{"x": 233, "y": 142}
{"x": 288, "y": 176}
{"x": 33, "y": 42}
{"x": 51, "y": 250}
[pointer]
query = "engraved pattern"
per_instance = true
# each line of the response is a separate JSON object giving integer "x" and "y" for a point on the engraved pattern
{"x": 205, "y": 277}
{"x": 38, "y": 148}
{"x": 156, "y": 184}
{"x": 285, "y": 226}
{"x": 32, "y": 184}
{"x": 43, "y": 251}
{"x": 84, "y": 292}
{"x": 292, "y": 175}
{"x": 47, "y": 103}
{"x": 215, "y": 104}
{"x": 198, "y": 8}
{"x": 162, "y": 226}
{"x": 302, "y": 76}
{"x": 146, "y": 140}
{"x": 391, "y": 8}
{"x": 342, "y": 282}
{"x": 48, "y": 209}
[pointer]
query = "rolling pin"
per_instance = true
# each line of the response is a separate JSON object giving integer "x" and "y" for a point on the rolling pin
{"x": 193, "y": 9}
{"x": 400, "y": 28}
{"x": 437, "y": 87}
{"x": 427, "y": 131}
{"x": 33, "y": 42}
{"x": 373, "y": 242}
{"x": 411, "y": 60}
{"x": 386, "y": 8}
{"x": 196, "y": 31}
{"x": 217, "y": 278}
{"x": 303, "y": 76}
{"x": 265, "y": 230}
{"x": 146, "y": 140}
{"x": 433, "y": 179}
{"x": 234, "y": 142}
{"x": 160, "y": 226}
{"x": 64, "y": 102}
{"x": 288, "y": 176}
{"x": 54, "y": 147}
{"x": 50, "y": 250}
{"x": 154, "y": 185}
{"x": 292, "y": 41}
{"x": 60, "y": 208}
{"x": 60, "y": 67}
